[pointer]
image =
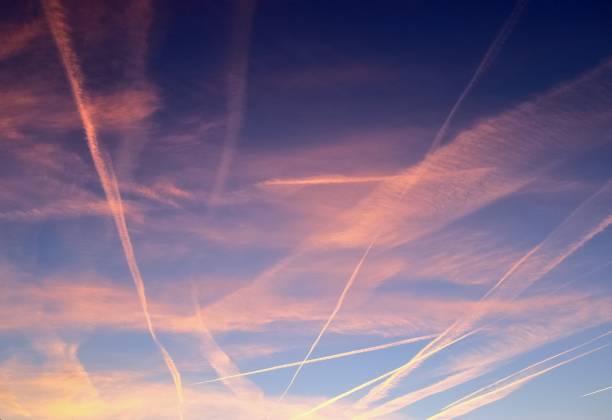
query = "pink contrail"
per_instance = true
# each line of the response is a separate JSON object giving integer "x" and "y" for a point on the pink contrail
{"x": 55, "y": 16}
{"x": 323, "y": 358}
{"x": 513, "y": 289}
{"x": 236, "y": 90}
{"x": 486, "y": 61}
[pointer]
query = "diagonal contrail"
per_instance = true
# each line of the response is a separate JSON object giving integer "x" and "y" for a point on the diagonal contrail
{"x": 322, "y": 358}
{"x": 576, "y": 224}
{"x": 347, "y": 287}
{"x": 501, "y": 391}
{"x": 345, "y": 394}
{"x": 485, "y": 62}
{"x": 598, "y": 391}
{"x": 55, "y": 17}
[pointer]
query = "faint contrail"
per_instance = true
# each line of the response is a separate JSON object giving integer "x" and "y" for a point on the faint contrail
{"x": 502, "y": 36}
{"x": 332, "y": 400}
{"x": 569, "y": 246}
{"x": 502, "y": 391}
{"x": 236, "y": 90}
{"x": 598, "y": 391}
{"x": 55, "y": 17}
{"x": 490, "y": 54}
{"x": 348, "y": 285}
{"x": 478, "y": 391}
{"x": 323, "y": 358}
{"x": 220, "y": 361}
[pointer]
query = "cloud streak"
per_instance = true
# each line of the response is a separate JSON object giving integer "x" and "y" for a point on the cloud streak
{"x": 54, "y": 13}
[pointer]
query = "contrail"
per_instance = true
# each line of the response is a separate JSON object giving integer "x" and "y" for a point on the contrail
{"x": 478, "y": 391}
{"x": 502, "y": 391}
{"x": 330, "y": 401}
{"x": 324, "y": 180}
{"x": 486, "y": 61}
{"x": 598, "y": 391}
{"x": 498, "y": 42}
{"x": 236, "y": 90}
{"x": 322, "y": 358}
{"x": 347, "y": 287}
{"x": 55, "y": 17}
{"x": 568, "y": 247}
{"x": 220, "y": 361}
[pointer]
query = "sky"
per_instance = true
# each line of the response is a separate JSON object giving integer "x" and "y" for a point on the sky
{"x": 290, "y": 209}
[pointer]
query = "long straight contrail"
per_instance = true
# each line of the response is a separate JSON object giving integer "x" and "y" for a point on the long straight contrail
{"x": 598, "y": 391}
{"x": 563, "y": 237}
{"x": 347, "y": 287}
{"x": 501, "y": 391}
{"x": 55, "y": 17}
{"x": 322, "y": 358}
{"x": 359, "y": 387}
{"x": 504, "y": 379}
{"x": 236, "y": 90}
{"x": 485, "y": 62}
{"x": 502, "y": 36}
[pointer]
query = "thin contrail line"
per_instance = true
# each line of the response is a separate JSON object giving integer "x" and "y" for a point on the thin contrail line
{"x": 503, "y": 35}
{"x": 332, "y": 400}
{"x": 347, "y": 287}
{"x": 468, "y": 321}
{"x": 509, "y": 387}
{"x": 55, "y": 16}
{"x": 486, "y": 61}
{"x": 322, "y": 358}
{"x": 598, "y": 391}
{"x": 478, "y": 391}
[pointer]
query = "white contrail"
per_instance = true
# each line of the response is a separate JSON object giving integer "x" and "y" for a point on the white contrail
{"x": 347, "y": 287}
{"x": 511, "y": 290}
{"x": 332, "y": 400}
{"x": 478, "y": 391}
{"x": 236, "y": 91}
{"x": 502, "y": 391}
{"x": 490, "y": 54}
{"x": 55, "y": 17}
{"x": 502, "y": 36}
{"x": 598, "y": 391}
{"x": 322, "y": 358}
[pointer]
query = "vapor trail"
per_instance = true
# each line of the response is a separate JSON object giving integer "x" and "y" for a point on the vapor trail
{"x": 486, "y": 61}
{"x": 478, "y": 391}
{"x": 322, "y": 358}
{"x": 502, "y": 36}
{"x": 236, "y": 90}
{"x": 55, "y": 17}
{"x": 332, "y": 400}
{"x": 347, "y": 287}
{"x": 598, "y": 391}
{"x": 502, "y": 391}
{"x": 220, "y": 361}
{"x": 576, "y": 224}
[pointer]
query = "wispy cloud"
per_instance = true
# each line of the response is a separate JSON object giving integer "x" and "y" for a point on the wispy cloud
{"x": 56, "y": 19}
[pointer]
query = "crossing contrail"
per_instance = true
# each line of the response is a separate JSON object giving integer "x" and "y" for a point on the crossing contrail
{"x": 55, "y": 17}
{"x": 332, "y": 400}
{"x": 329, "y": 320}
{"x": 322, "y": 358}
{"x": 502, "y": 391}
{"x": 485, "y": 62}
